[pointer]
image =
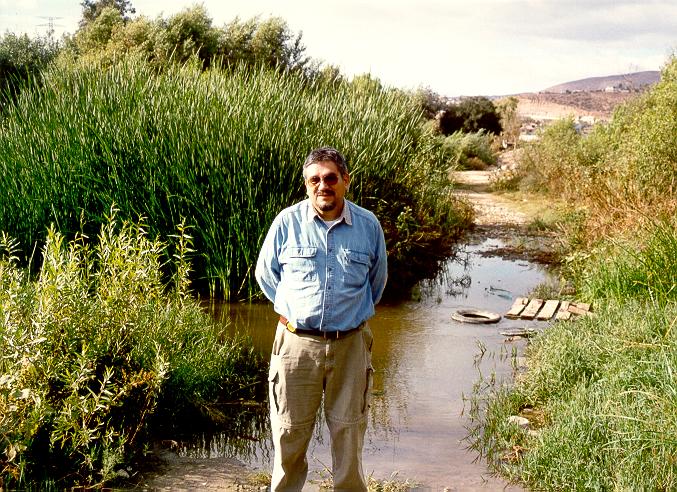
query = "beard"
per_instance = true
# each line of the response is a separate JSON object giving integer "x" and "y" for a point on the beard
{"x": 327, "y": 206}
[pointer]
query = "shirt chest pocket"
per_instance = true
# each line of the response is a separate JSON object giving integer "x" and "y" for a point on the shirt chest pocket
{"x": 300, "y": 263}
{"x": 355, "y": 268}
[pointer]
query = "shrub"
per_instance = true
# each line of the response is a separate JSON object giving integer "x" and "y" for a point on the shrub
{"x": 92, "y": 345}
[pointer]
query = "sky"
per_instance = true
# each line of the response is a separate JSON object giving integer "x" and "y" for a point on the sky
{"x": 453, "y": 47}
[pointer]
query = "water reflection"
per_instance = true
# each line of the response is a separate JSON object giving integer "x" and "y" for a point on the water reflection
{"x": 425, "y": 363}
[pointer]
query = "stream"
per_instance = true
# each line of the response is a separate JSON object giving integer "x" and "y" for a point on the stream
{"x": 426, "y": 365}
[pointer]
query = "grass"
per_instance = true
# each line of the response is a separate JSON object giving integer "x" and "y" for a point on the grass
{"x": 603, "y": 386}
{"x": 97, "y": 351}
{"x": 217, "y": 150}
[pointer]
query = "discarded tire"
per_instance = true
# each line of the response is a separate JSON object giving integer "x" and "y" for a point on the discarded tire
{"x": 475, "y": 316}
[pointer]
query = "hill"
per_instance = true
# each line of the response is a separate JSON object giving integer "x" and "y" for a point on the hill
{"x": 549, "y": 105}
{"x": 628, "y": 82}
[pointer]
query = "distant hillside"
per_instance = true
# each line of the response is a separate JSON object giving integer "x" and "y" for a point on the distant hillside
{"x": 628, "y": 81}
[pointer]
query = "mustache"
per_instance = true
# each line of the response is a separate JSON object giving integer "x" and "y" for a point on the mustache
{"x": 325, "y": 193}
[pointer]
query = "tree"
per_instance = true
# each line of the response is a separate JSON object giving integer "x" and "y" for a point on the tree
{"x": 188, "y": 33}
{"x": 20, "y": 58}
{"x": 470, "y": 115}
{"x": 95, "y": 35}
{"x": 91, "y": 9}
{"x": 510, "y": 121}
{"x": 270, "y": 43}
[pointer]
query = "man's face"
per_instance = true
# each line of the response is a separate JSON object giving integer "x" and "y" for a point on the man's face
{"x": 326, "y": 188}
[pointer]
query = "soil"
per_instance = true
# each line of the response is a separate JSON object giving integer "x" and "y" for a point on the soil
{"x": 505, "y": 216}
{"x": 497, "y": 216}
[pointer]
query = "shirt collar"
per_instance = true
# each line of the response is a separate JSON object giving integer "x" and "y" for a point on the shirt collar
{"x": 345, "y": 216}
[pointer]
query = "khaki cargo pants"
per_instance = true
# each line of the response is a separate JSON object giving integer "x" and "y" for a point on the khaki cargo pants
{"x": 302, "y": 369}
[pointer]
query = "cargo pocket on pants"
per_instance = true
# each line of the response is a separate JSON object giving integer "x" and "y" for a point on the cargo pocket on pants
{"x": 368, "y": 389}
{"x": 274, "y": 383}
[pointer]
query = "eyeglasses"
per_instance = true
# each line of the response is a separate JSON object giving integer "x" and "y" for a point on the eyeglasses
{"x": 329, "y": 179}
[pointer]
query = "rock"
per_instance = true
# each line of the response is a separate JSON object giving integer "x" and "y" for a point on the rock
{"x": 520, "y": 422}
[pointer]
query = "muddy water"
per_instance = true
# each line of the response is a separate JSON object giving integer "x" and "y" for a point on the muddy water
{"x": 425, "y": 364}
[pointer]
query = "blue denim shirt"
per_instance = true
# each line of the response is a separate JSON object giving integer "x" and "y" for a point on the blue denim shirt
{"x": 323, "y": 278}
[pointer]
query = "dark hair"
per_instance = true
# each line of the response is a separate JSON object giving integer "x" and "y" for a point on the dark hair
{"x": 327, "y": 154}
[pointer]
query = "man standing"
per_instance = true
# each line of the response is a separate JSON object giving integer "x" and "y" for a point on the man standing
{"x": 323, "y": 265}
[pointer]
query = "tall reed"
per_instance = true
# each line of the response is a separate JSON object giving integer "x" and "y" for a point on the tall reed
{"x": 218, "y": 149}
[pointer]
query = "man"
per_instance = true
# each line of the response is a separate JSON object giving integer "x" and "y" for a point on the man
{"x": 323, "y": 265}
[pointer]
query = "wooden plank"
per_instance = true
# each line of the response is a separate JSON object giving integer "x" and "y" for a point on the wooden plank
{"x": 577, "y": 309}
{"x": 548, "y": 310}
{"x": 563, "y": 312}
{"x": 531, "y": 309}
{"x": 517, "y": 307}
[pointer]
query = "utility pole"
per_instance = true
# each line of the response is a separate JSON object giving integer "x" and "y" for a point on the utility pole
{"x": 50, "y": 25}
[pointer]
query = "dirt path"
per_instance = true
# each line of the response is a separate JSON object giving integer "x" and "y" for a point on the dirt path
{"x": 491, "y": 209}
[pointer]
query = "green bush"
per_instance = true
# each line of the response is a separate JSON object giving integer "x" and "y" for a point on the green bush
{"x": 460, "y": 149}
{"x": 623, "y": 172}
{"x": 92, "y": 345}
{"x": 20, "y": 59}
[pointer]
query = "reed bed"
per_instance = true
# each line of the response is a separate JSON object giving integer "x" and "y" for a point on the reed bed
{"x": 97, "y": 351}
{"x": 220, "y": 150}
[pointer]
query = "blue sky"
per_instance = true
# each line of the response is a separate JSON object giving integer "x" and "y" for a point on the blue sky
{"x": 455, "y": 47}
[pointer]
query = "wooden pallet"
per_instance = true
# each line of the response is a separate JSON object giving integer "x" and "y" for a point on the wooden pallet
{"x": 543, "y": 310}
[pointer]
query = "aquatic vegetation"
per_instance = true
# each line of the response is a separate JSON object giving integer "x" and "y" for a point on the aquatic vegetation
{"x": 220, "y": 150}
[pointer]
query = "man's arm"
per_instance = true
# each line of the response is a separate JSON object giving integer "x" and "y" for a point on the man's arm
{"x": 267, "y": 271}
{"x": 378, "y": 274}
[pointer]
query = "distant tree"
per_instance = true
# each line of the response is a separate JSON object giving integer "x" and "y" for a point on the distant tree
{"x": 270, "y": 43}
{"x": 430, "y": 102}
{"x": 95, "y": 35}
{"x": 20, "y": 58}
{"x": 480, "y": 114}
{"x": 510, "y": 121}
{"x": 188, "y": 33}
{"x": 450, "y": 120}
{"x": 470, "y": 115}
{"x": 91, "y": 9}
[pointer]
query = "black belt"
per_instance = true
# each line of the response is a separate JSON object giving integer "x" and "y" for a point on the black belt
{"x": 317, "y": 333}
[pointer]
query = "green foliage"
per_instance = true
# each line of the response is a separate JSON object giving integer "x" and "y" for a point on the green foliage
{"x": 21, "y": 57}
{"x": 110, "y": 35}
{"x": 92, "y": 9}
{"x": 623, "y": 172}
{"x": 644, "y": 268}
{"x": 604, "y": 388}
{"x": 470, "y": 115}
{"x": 221, "y": 149}
{"x": 92, "y": 345}
{"x": 461, "y": 148}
